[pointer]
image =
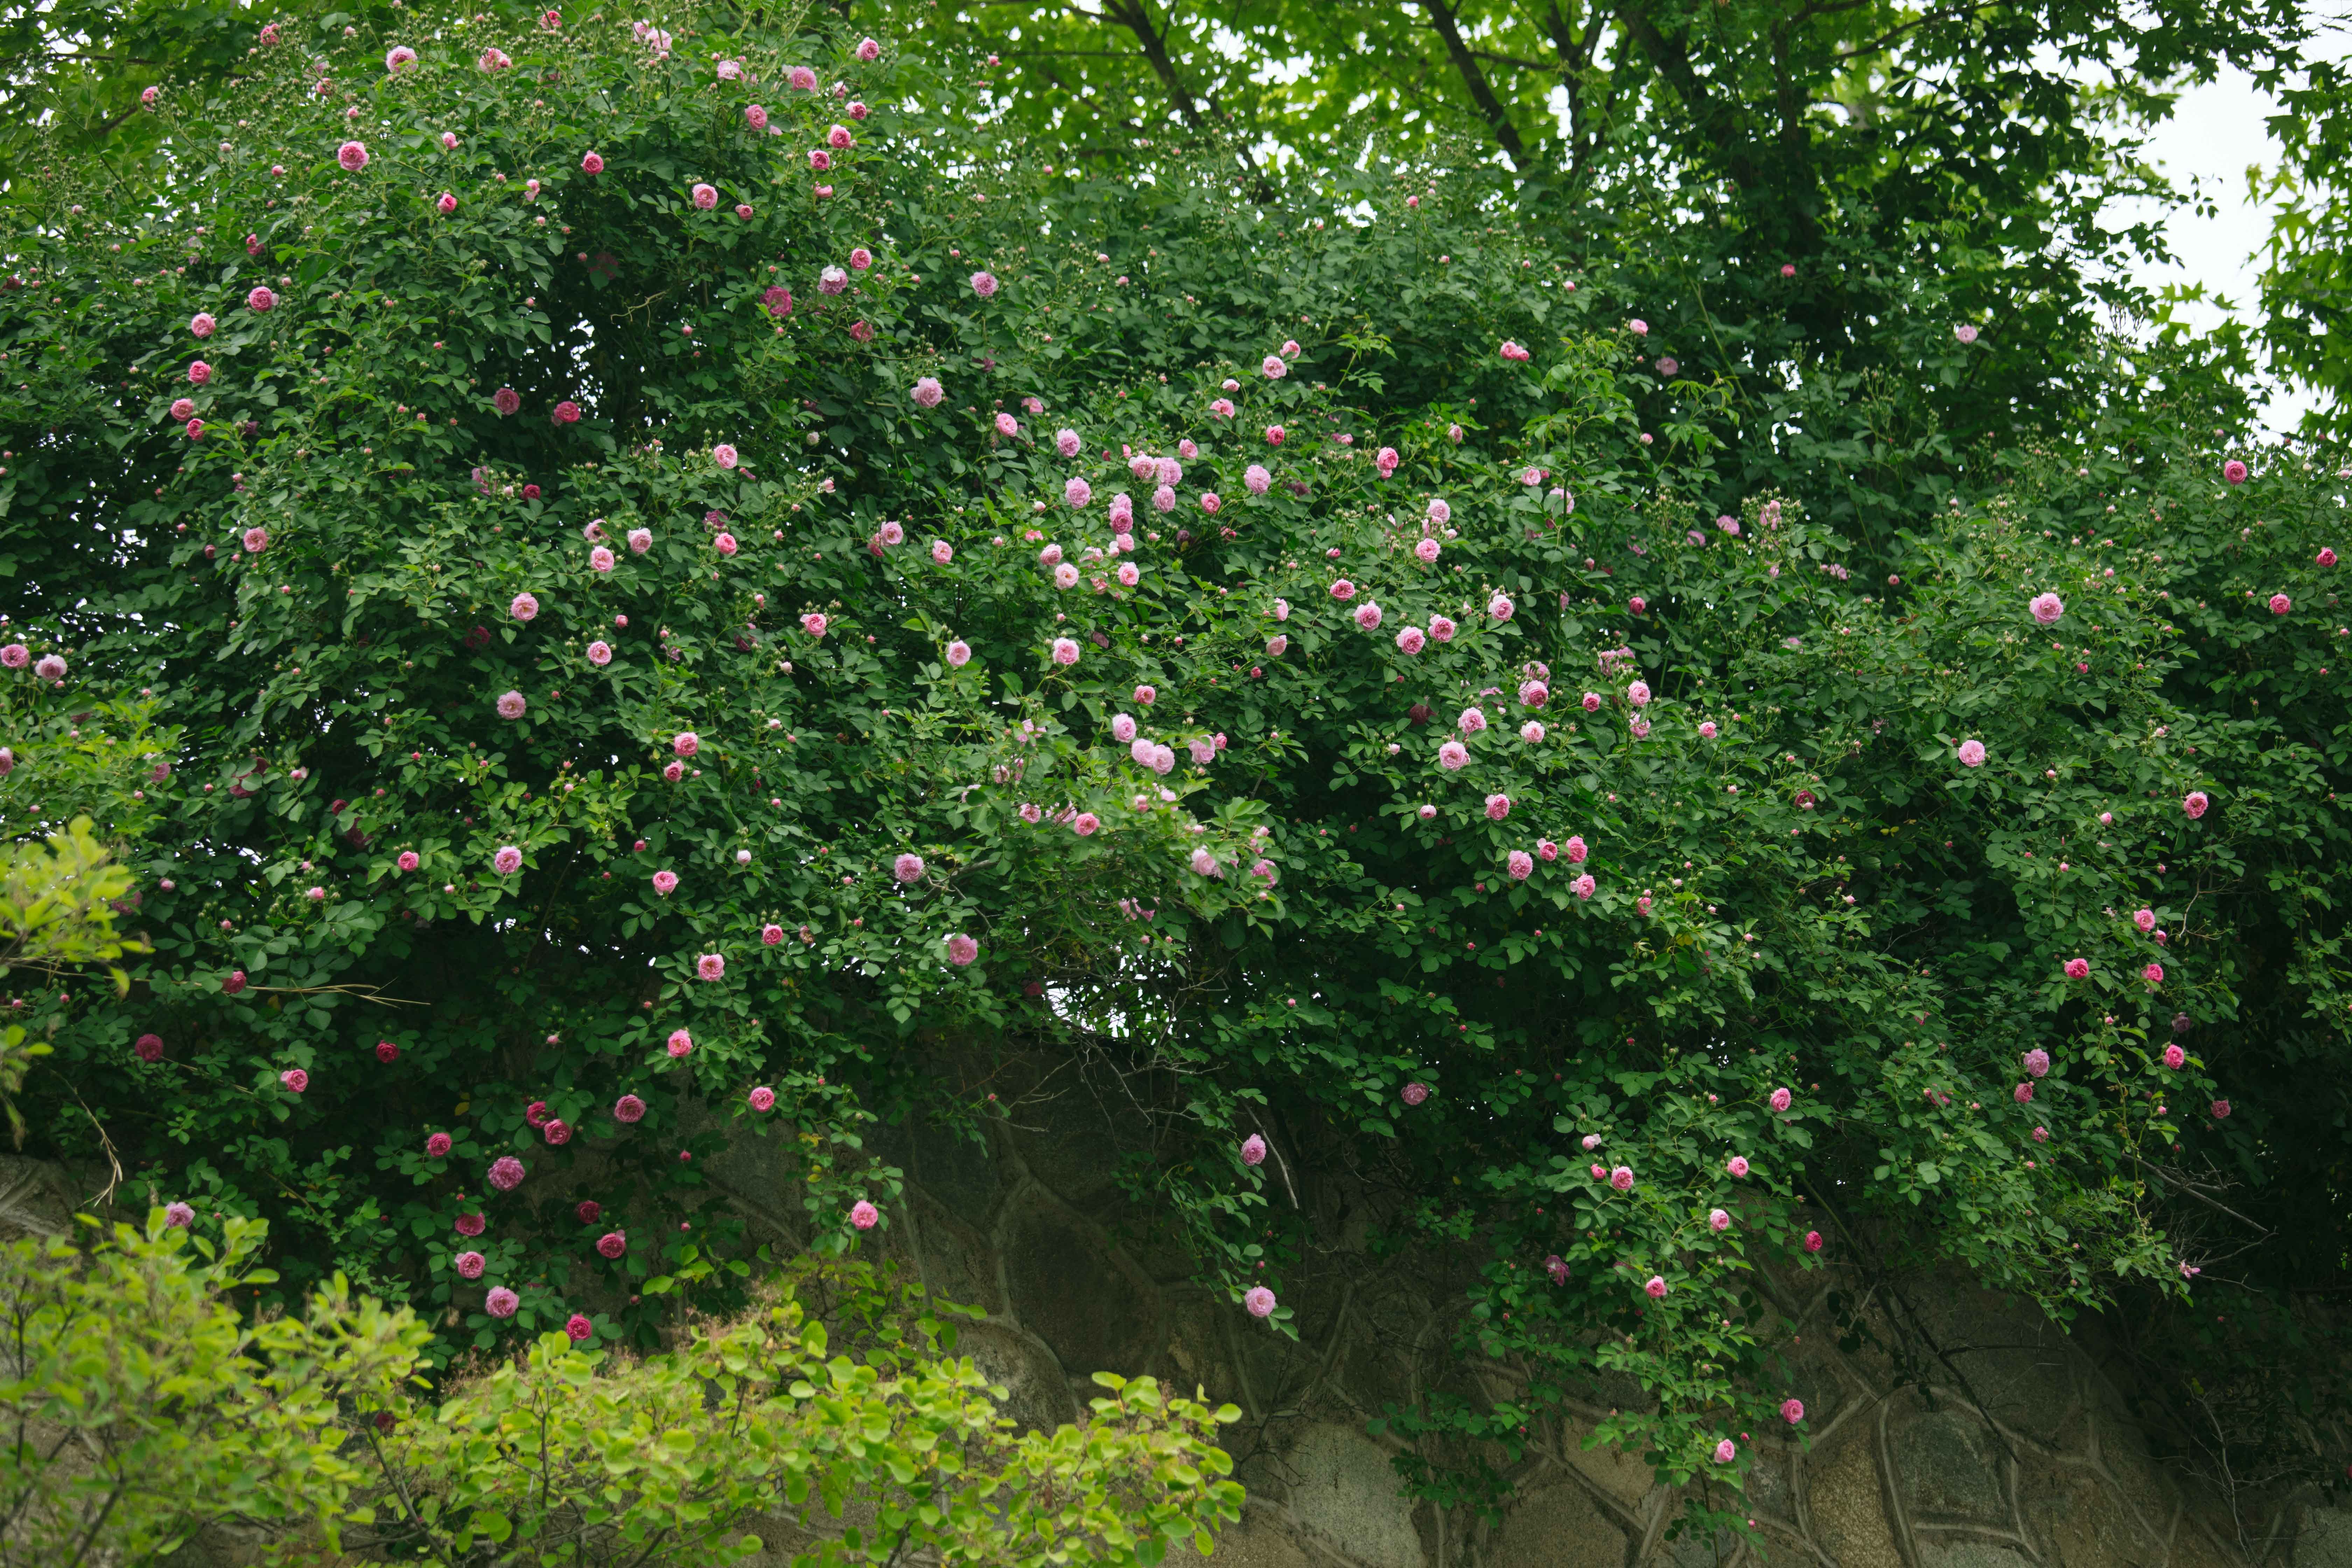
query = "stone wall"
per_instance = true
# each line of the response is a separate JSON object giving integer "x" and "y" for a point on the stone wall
{"x": 1985, "y": 1438}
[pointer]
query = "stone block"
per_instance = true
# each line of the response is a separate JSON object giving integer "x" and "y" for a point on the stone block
{"x": 2028, "y": 1389}
{"x": 1843, "y": 1501}
{"x": 959, "y": 1172}
{"x": 2325, "y": 1540}
{"x": 1558, "y": 1526}
{"x": 1194, "y": 1356}
{"x": 1817, "y": 1382}
{"x": 1071, "y": 1292}
{"x": 1621, "y": 1476}
{"x": 2194, "y": 1547}
{"x": 1037, "y": 1395}
{"x": 1769, "y": 1491}
{"x": 1069, "y": 1143}
{"x": 1696, "y": 1549}
{"x": 1963, "y": 1553}
{"x": 1257, "y": 1542}
{"x": 36, "y": 1199}
{"x": 955, "y": 1260}
{"x": 1947, "y": 1467}
{"x": 1344, "y": 1490}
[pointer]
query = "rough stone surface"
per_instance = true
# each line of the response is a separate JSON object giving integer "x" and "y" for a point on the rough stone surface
{"x": 2325, "y": 1539}
{"x": 1848, "y": 1518}
{"x": 1971, "y": 1554}
{"x": 1946, "y": 1469}
{"x": 1344, "y": 1492}
{"x": 1961, "y": 1431}
{"x": 1970, "y": 1434}
{"x": 1558, "y": 1526}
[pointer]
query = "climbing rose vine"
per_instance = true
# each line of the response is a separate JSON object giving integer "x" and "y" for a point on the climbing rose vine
{"x": 620, "y": 608}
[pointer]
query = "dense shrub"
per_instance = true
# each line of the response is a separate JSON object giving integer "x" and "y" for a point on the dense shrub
{"x": 144, "y": 1404}
{"x": 1486, "y": 805}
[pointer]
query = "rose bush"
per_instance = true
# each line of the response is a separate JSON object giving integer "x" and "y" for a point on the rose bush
{"x": 596, "y": 674}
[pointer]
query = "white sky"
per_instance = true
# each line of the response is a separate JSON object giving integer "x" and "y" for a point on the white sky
{"x": 2214, "y": 134}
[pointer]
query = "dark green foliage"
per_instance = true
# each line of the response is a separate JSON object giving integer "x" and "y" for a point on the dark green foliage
{"x": 1271, "y": 938}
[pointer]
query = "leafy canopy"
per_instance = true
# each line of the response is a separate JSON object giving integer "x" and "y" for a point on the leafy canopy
{"x": 605, "y": 709}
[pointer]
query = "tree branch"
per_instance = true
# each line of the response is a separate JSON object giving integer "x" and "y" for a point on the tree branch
{"x": 1948, "y": 13}
{"x": 1723, "y": 122}
{"x": 1482, "y": 93}
{"x": 1135, "y": 17}
{"x": 1575, "y": 59}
